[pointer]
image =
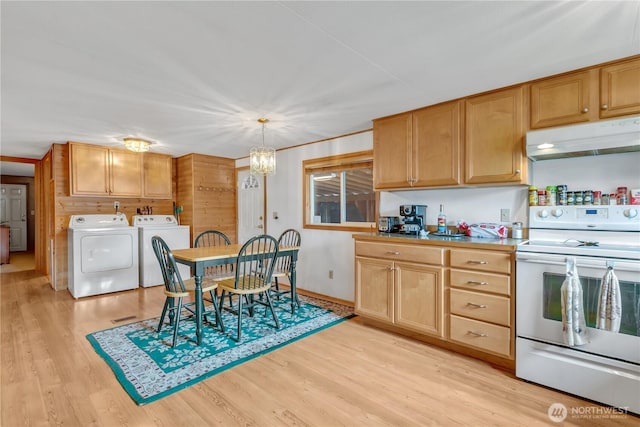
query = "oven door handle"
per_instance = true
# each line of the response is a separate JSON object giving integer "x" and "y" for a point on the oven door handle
{"x": 581, "y": 262}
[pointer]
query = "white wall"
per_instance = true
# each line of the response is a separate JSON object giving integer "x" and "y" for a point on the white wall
{"x": 321, "y": 250}
{"x": 324, "y": 250}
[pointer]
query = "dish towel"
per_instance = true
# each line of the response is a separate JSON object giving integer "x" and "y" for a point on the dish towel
{"x": 609, "y": 302}
{"x": 574, "y": 327}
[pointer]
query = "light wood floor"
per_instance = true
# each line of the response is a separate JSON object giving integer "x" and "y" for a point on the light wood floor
{"x": 18, "y": 261}
{"x": 347, "y": 375}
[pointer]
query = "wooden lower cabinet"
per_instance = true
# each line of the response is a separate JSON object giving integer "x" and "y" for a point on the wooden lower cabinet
{"x": 405, "y": 294}
{"x": 456, "y": 298}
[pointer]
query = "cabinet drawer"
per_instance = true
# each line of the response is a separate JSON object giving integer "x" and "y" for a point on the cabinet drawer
{"x": 485, "y": 282}
{"x": 485, "y": 336}
{"x": 490, "y": 308}
{"x": 414, "y": 253}
{"x": 497, "y": 262}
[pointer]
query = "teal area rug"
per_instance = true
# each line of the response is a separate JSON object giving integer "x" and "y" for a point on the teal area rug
{"x": 149, "y": 369}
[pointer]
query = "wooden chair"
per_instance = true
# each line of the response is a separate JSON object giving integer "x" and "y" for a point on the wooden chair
{"x": 215, "y": 238}
{"x": 282, "y": 268}
{"x": 253, "y": 270}
{"x": 176, "y": 289}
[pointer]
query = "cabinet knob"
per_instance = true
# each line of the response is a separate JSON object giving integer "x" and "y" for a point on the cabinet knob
{"x": 391, "y": 268}
{"x": 605, "y": 106}
{"x": 585, "y": 110}
{"x": 517, "y": 171}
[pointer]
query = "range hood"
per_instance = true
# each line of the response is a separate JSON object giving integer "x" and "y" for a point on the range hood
{"x": 588, "y": 139}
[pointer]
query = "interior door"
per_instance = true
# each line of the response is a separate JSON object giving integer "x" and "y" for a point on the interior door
{"x": 251, "y": 213}
{"x": 13, "y": 211}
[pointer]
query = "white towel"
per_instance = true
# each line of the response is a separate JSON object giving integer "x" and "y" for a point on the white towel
{"x": 609, "y": 302}
{"x": 574, "y": 327}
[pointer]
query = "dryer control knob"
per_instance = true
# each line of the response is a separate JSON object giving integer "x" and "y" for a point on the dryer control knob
{"x": 630, "y": 213}
{"x": 543, "y": 213}
{"x": 557, "y": 213}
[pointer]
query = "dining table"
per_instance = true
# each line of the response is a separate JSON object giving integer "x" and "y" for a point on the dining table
{"x": 210, "y": 256}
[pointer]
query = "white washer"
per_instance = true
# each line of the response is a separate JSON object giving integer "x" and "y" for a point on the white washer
{"x": 176, "y": 236}
{"x": 103, "y": 254}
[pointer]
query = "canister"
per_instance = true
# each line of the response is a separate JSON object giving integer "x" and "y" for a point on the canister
{"x": 561, "y": 192}
{"x": 516, "y": 230}
{"x": 542, "y": 197}
{"x": 613, "y": 199}
{"x": 605, "y": 199}
{"x": 597, "y": 197}
{"x": 533, "y": 195}
{"x": 551, "y": 195}
{"x": 571, "y": 198}
{"x": 587, "y": 197}
{"x": 579, "y": 197}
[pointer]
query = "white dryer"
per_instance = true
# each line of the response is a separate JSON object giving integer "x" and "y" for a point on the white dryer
{"x": 176, "y": 236}
{"x": 103, "y": 254}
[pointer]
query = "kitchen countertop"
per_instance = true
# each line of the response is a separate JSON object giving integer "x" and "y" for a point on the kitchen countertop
{"x": 506, "y": 244}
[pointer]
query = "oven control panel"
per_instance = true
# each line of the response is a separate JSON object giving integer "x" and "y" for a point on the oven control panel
{"x": 588, "y": 217}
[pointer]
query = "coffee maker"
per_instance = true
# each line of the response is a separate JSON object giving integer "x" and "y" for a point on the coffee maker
{"x": 414, "y": 218}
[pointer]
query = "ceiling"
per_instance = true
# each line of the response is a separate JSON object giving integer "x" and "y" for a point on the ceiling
{"x": 196, "y": 76}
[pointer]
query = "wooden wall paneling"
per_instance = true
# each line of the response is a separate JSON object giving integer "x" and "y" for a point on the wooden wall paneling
{"x": 184, "y": 190}
{"x": 207, "y": 191}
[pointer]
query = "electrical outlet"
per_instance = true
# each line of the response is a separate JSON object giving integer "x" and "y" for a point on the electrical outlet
{"x": 330, "y": 274}
{"x": 116, "y": 205}
{"x": 505, "y": 215}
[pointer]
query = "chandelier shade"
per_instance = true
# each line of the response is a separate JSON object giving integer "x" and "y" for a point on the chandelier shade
{"x": 136, "y": 144}
{"x": 262, "y": 160}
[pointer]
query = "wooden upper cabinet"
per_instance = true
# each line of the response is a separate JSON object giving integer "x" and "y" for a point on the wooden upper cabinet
{"x": 571, "y": 98}
{"x": 125, "y": 171}
{"x": 494, "y": 138}
{"x": 89, "y": 170}
{"x": 392, "y": 151}
{"x": 157, "y": 176}
{"x": 620, "y": 89}
{"x": 102, "y": 171}
{"x": 588, "y": 95}
{"x": 436, "y": 145}
{"x": 418, "y": 149}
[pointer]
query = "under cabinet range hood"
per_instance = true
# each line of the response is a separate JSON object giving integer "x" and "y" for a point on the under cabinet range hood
{"x": 588, "y": 139}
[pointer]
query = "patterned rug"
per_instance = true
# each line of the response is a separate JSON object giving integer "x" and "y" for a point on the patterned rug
{"x": 149, "y": 369}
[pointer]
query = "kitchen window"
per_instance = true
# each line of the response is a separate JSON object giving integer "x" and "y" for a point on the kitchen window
{"x": 339, "y": 192}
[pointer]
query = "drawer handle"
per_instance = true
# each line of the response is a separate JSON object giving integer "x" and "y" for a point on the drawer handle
{"x": 473, "y": 304}
{"x": 475, "y": 282}
{"x": 393, "y": 253}
{"x": 478, "y": 262}
{"x": 477, "y": 334}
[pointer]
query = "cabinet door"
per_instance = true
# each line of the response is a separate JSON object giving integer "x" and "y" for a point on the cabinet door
{"x": 374, "y": 289}
{"x": 89, "y": 170}
{"x": 418, "y": 298}
{"x": 392, "y": 151}
{"x": 568, "y": 99}
{"x": 620, "y": 89}
{"x": 157, "y": 177}
{"x": 437, "y": 133}
{"x": 494, "y": 138}
{"x": 126, "y": 173}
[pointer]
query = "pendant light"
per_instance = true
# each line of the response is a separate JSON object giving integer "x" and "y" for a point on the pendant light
{"x": 262, "y": 159}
